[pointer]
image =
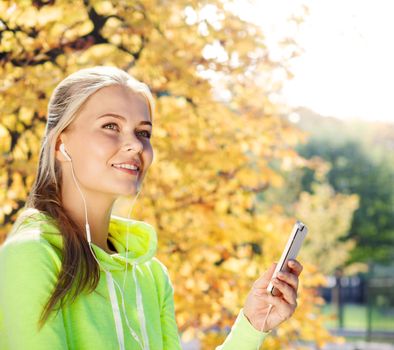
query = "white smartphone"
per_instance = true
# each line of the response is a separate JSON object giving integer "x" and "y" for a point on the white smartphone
{"x": 291, "y": 250}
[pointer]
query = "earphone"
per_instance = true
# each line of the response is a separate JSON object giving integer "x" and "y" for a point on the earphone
{"x": 89, "y": 239}
{"x": 63, "y": 150}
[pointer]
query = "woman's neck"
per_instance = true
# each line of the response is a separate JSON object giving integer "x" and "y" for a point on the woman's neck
{"x": 99, "y": 210}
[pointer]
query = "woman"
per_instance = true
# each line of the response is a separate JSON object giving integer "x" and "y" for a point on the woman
{"x": 75, "y": 276}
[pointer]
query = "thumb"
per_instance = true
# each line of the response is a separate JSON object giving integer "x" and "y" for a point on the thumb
{"x": 264, "y": 280}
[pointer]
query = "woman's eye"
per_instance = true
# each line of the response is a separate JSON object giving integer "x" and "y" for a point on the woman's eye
{"x": 105, "y": 126}
{"x": 146, "y": 133}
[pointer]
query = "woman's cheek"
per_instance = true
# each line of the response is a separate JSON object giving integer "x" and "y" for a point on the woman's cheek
{"x": 107, "y": 145}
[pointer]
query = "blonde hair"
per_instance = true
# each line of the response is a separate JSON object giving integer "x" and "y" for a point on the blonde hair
{"x": 79, "y": 269}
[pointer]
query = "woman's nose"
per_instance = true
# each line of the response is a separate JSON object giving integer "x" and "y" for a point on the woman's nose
{"x": 133, "y": 144}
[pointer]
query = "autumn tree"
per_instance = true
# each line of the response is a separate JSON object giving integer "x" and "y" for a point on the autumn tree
{"x": 212, "y": 154}
{"x": 329, "y": 216}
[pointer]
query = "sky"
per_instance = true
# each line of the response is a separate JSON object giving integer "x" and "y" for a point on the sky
{"x": 347, "y": 67}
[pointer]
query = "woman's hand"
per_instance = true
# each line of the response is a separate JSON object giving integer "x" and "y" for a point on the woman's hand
{"x": 259, "y": 300}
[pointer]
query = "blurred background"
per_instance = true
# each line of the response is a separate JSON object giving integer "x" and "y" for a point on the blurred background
{"x": 266, "y": 112}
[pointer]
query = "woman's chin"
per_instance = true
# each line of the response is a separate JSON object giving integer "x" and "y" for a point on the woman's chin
{"x": 130, "y": 191}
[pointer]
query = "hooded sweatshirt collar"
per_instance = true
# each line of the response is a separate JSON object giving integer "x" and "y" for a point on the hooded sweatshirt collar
{"x": 135, "y": 241}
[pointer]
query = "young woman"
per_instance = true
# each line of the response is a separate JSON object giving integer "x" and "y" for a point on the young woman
{"x": 75, "y": 276}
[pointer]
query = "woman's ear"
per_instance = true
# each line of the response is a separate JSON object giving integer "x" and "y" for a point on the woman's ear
{"x": 58, "y": 154}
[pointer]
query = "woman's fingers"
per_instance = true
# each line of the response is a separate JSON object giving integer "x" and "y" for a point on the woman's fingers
{"x": 295, "y": 267}
{"x": 289, "y": 278}
{"x": 288, "y": 292}
{"x": 281, "y": 304}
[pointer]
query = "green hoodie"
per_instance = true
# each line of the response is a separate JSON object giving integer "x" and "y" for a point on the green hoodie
{"x": 30, "y": 261}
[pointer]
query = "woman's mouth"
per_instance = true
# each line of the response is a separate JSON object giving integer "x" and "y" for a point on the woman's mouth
{"x": 129, "y": 169}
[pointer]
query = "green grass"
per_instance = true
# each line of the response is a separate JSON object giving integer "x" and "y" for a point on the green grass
{"x": 355, "y": 317}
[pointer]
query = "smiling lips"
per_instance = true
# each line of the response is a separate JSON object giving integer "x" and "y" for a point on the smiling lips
{"x": 132, "y": 169}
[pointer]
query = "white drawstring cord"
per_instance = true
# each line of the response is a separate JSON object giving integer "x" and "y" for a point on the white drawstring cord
{"x": 115, "y": 311}
{"x": 132, "y": 331}
{"x": 140, "y": 309}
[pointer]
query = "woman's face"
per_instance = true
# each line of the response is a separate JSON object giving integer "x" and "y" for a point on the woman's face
{"x": 112, "y": 128}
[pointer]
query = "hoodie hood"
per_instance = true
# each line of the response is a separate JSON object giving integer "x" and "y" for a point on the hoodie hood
{"x": 135, "y": 241}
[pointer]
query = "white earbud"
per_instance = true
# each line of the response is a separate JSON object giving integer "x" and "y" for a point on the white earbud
{"x": 63, "y": 150}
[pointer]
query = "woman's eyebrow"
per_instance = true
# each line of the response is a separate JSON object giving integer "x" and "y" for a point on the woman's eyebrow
{"x": 143, "y": 122}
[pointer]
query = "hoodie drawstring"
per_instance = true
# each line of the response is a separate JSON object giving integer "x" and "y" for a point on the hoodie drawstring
{"x": 140, "y": 308}
{"x": 116, "y": 311}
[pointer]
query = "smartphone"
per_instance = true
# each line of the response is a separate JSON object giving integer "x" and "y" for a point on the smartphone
{"x": 291, "y": 250}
